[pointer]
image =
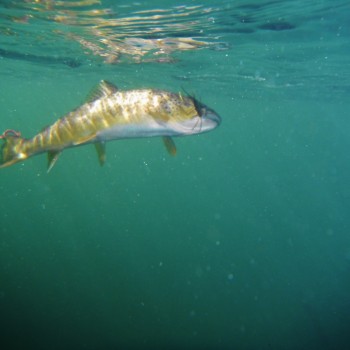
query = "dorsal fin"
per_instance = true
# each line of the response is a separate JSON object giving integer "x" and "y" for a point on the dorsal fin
{"x": 103, "y": 89}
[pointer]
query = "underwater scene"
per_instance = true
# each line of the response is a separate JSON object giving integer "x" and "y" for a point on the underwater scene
{"x": 215, "y": 213}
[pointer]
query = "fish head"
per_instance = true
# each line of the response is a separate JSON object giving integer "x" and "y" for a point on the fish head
{"x": 190, "y": 116}
{"x": 206, "y": 116}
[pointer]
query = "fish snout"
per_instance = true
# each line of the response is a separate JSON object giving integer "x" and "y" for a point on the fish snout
{"x": 213, "y": 116}
{"x": 209, "y": 119}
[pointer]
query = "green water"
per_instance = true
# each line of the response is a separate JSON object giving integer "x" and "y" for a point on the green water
{"x": 239, "y": 242}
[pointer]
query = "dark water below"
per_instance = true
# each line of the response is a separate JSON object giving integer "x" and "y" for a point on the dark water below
{"x": 239, "y": 242}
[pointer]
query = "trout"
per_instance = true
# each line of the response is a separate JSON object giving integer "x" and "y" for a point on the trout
{"x": 113, "y": 114}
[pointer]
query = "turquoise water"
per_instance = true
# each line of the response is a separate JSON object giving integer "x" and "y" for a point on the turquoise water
{"x": 241, "y": 241}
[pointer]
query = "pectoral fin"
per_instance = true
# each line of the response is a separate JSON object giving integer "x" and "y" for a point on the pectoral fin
{"x": 101, "y": 152}
{"x": 169, "y": 145}
{"x": 52, "y": 157}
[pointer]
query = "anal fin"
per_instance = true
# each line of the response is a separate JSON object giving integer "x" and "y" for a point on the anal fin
{"x": 52, "y": 157}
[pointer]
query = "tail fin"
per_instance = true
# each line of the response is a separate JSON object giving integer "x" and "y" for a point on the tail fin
{"x": 10, "y": 152}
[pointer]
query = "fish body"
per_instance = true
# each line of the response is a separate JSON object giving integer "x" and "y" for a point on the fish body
{"x": 112, "y": 114}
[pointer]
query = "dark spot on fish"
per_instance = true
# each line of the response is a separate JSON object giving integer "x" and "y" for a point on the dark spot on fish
{"x": 166, "y": 107}
{"x": 277, "y": 26}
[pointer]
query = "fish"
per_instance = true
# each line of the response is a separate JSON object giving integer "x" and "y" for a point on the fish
{"x": 112, "y": 114}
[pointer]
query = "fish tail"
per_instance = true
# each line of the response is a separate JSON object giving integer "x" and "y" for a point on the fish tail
{"x": 11, "y": 150}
